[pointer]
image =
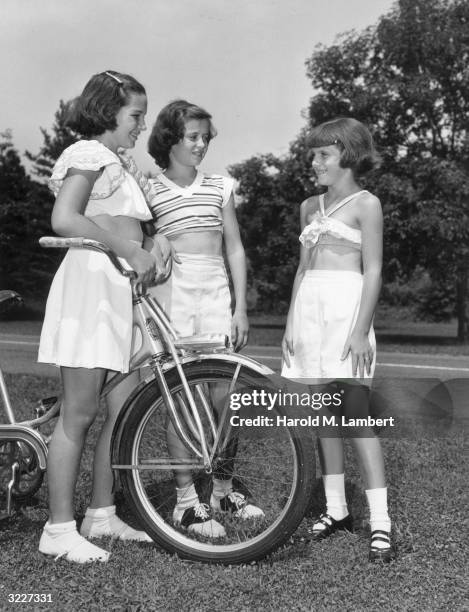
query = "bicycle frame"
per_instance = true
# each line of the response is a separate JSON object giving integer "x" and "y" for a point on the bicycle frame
{"x": 161, "y": 351}
{"x": 150, "y": 318}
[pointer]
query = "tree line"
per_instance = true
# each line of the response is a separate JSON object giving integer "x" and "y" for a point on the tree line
{"x": 407, "y": 78}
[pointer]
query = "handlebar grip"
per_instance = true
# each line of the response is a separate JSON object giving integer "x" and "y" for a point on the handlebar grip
{"x": 52, "y": 242}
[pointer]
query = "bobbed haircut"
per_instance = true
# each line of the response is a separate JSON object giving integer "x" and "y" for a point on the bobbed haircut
{"x": 95, "y": 110}
{"x": 353, "y": 139}
{"x": 170, "y": 126}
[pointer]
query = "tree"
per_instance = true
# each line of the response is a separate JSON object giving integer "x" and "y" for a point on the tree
{"x": 270, "y": 190}
{"x": 20, "y": 260}
{"x": 407, "y": 77}
{"x": 61, "y": 138}
{"x": 25, "y": 210}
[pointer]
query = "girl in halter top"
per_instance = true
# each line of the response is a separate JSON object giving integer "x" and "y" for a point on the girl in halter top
{"x": 329, "y": 333}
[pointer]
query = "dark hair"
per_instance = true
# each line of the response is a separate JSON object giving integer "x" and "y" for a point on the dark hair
{"x": 170, "y": 126}
{"x": 95, "y": 110}
{"x": 353, "y": 139}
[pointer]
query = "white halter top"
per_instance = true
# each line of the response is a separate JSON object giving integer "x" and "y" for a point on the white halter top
{"x": 323, "y": 229}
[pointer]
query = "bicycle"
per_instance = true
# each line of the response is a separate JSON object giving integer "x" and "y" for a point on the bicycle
{"x": 274, "y": 466}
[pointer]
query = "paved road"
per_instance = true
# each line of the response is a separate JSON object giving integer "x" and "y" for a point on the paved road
{"x": 402, "y": 378}
{"x": 18, "y": 355}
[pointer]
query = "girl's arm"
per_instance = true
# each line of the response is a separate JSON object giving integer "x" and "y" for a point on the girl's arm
{"x": 68, "y": 220}
{"x": 237, "y": 262}
{"x": 287, "y": 341}
{"x": 370, "y": 218}
{"x": 163, "y": 251}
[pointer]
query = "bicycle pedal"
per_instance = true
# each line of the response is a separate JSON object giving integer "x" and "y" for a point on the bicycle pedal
{"x": 44, "y": 405}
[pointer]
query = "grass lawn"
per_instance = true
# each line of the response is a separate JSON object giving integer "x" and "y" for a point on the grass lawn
{"x": 426, "y": 474}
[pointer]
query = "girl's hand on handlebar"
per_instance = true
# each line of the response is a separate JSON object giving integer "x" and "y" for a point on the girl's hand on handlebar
{"x": 164, "y": 253}
{"x": 145, "y": 265}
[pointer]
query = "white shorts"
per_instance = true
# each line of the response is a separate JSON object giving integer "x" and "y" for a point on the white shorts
{"x": 88, "y": 320}
{"x": 325, "y": 312}
{"x": 196, "y": 297}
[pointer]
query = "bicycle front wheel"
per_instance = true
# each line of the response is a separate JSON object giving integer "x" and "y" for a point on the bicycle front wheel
{"x": 272, "y": 466}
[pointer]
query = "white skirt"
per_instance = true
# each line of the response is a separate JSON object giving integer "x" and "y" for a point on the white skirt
{"x": 196, "y": 297}
{"x": 325, "y": 312}
{"x": 88, "y": 320}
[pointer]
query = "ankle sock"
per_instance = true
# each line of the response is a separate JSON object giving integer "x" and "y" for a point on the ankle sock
{"x": 379, "y": 517}
{"x": 55, "y": 530}
{"x": 222, "y": 488}
{"x": 334, "y": 487}
{"x": 99, "y": 522}
{"x": 186, "y": 497}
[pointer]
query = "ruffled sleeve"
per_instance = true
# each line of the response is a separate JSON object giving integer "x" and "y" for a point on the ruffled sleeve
{"x": 89, "y": 155}
{"x": 142, "y": 181}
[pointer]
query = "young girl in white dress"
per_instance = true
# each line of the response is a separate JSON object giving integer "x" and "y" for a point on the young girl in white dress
{"x": 329, "y": 333}
{"x": 87, "y": 329}
{"x": 195, "y": 211}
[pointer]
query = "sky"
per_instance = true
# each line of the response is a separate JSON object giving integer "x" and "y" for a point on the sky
{"x": 242, "y": 60}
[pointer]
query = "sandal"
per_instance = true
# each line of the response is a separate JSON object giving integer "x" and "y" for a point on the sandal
{"x": 385, "y": 555}
{"x": 331, "y": 525}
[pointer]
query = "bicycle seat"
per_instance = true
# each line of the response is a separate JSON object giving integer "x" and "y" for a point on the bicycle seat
{"x": 8, "y": 299}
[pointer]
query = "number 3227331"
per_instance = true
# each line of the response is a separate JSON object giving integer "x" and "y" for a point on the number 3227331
{"x": 29, "y": 597}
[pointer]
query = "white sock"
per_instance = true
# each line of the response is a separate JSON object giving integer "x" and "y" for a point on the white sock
{"x": 334, "y": 487}
{"x": 222, "y": 488}
{"x": 379, "y": 517}
{"x": 186, "y": 497}
{"x": 105, "y": 522}
{"x": 55, "y": 530}
{"x": 103, "y": 512}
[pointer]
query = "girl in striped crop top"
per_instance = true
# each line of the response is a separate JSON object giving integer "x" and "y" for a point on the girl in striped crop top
{"x": 196, "y": 212}
{"x": 329, "y": 332}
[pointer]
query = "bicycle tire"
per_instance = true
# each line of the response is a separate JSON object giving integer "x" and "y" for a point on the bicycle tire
{"x": 277, "y": 472}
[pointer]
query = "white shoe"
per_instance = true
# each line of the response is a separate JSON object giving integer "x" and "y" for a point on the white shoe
{"x": 72, "y": 546}
{"x": 236, "y": 504}
{"x": 197, "y": 519}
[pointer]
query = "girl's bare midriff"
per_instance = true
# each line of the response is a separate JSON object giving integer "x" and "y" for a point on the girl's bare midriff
{"x": 125, "y": 227}
{"x": 208, "y": 242}
{"x": 332, "y": 257}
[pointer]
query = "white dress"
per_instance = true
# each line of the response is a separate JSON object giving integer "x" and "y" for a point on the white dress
{"x": 88, "y": 320}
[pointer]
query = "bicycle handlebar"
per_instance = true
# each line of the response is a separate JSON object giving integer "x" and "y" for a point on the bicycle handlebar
{"x": 52, "y": 242}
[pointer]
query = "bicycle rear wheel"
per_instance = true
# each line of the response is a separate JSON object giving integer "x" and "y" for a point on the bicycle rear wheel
{"x": 273, "y": 466}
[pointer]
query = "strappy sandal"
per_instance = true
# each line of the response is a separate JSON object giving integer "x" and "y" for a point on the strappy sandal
{"x": 385, "y": 555}
{"x": 331, "y": 525}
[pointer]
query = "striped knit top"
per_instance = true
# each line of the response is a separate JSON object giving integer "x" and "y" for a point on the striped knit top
{"x": 197, "y": 207}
